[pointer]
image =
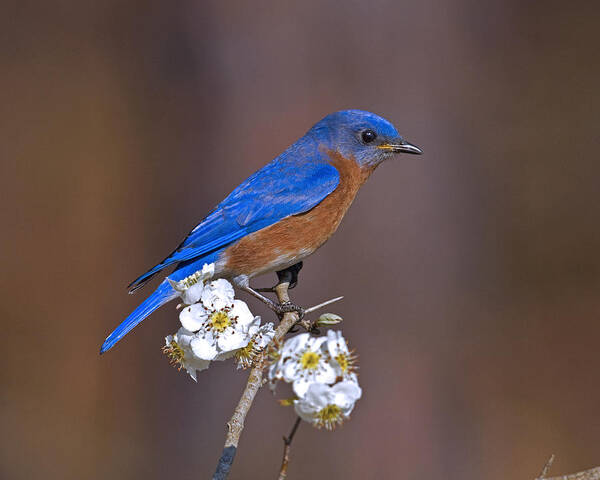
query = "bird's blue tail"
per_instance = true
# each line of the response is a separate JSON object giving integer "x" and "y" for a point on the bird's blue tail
{"x": 159, "y": 297}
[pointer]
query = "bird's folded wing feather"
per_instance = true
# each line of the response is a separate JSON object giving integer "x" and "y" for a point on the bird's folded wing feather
{"x": 282, "y": 188}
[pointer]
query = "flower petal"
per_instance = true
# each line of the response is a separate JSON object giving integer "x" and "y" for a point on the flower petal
{"x": 347, "y": 409}
{"x": 183, "y": 337}
{"x": 346, "y": 393}
{"x": 192, "y": 294}
{"x": 254, "y": 327}
{"x": 192, "y": 373}
{"x": 264, "y": 335}
{"x": 319, "y": 395}
{"x": 295, "y": 344}
{"x": 274, "y": 374}
{"x": 314, "y": 344}
{"x": 290, "y": 371}
{"x": 241, "y": 310}
{"x": 195, "y": 364}
{"x": 219, "y": 289}
{"x": 325, "y": 373}
{"x": 305, "y": 410}
{"x": 224, "y": 288}
{"x": 336, "y": 343}
{"x": 203, "y": 348}
{"x": 226, "y": 355}
{"x": 208, "y": 270}
{"x": 193, "y": 317}
{"x": 301, "y": 386}
{"x": 232, "y": 340}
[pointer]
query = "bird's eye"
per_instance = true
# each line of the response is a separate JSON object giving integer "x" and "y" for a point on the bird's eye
{"x": 368, "y": 136}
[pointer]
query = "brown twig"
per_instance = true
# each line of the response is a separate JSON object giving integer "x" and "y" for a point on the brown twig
{"x": 255, "y": 381}
{"x": 547, "y": 467}
{"x": 592, "y": 474}
{"x": 287, "y": 445}
{"x": 236, "y": 424}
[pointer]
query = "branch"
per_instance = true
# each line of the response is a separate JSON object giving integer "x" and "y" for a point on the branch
{"x": 255, "y": 381}
{"x": 592, "y": 474}
{"x": 287, "y": 444}
{"x": 321, "y": 305}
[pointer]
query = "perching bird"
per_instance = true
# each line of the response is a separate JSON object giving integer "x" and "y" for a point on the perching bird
{"x": 280, "y": 214}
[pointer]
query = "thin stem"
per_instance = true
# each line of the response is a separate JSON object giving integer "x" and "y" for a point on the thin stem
{"x": 592, "y": 474}
{"x": 255, "y": 381}
{"x": 547, "y": 467}
{"x": 321, "y": 305}
{"x": 293, "y": 432}
{"x": 287, "y": 445}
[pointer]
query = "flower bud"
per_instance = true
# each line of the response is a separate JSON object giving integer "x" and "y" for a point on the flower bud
{"x": 328, "y": 320}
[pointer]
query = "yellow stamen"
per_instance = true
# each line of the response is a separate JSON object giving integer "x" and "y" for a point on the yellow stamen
{"x": 346, "y": 361}
{"x": 310, "y": 360}
{"x": 329, "y": 416}
{"x": 343, "y": 360}
{"x": 175, "y": 354}
{"x": 219, "y": 321}
{"x": 246, "y": 355}
{"x": 193, "y": 279}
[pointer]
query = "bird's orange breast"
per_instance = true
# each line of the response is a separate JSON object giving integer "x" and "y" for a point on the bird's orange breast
{"x": 293, "y": 238}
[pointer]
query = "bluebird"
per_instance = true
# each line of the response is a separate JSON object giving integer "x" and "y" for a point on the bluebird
{"x": 282, "y": 213}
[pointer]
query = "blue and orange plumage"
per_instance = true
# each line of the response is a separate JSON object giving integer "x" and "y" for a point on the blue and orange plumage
{"x": 283, "y": 212}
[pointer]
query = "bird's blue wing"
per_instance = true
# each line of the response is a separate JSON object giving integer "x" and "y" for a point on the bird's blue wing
{"x": 282, "y": 188}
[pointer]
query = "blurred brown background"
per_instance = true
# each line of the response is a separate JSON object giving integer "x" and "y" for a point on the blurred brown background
{"x": 471, "y": 274}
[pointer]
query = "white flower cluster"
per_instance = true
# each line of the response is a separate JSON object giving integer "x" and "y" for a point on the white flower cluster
{"x": 215, "y": 325}
{"x": 322, "y": 371}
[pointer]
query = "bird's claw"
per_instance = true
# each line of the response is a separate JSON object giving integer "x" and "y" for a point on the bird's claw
{"x": 289, "y": 307}
{"x": 310, "y": 327}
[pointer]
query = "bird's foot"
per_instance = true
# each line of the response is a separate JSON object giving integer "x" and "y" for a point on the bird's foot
{"x": 286, "y": 307}
{"x": 289, "y": 307}
{"x": 309, "y": 326}
{"x": 281, "y": 309}
{"x": 289, "y": 276}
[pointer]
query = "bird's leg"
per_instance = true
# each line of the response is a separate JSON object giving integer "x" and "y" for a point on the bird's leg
{"x": 243, "y": 283}
{"x": 289, "y": 275}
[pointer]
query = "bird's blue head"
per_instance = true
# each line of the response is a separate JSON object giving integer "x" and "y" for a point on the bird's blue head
{"x": 364, "y": 136}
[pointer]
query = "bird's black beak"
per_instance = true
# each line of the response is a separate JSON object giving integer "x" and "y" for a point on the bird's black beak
{"x": 401, "y": 147}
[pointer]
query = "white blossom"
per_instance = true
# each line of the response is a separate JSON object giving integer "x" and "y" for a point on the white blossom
{"x": 328, "y": 405}
{"x": 215, "y": 325}
{"x": 260, "y": 336}
{"x": 190, "y": 288}
{"x": 177, "y": 348}
{"x": 192, "y": 295}
{"x": 219, "y": 321}
{"x": 342, "y": 359}
{"x": 303, "y": 361}
{"x": 217, "y": 294}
